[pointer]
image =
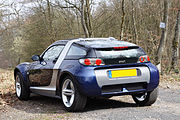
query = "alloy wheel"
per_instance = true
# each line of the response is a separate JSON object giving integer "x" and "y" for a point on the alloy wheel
{"x": 68, "y": 93}
{"x": 18, "y": 86}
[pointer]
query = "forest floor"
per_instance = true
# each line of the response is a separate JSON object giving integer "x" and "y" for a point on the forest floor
{"x": 167, "y": 106}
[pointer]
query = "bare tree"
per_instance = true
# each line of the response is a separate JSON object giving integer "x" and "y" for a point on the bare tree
{"x": 37, "y": 25}
{"x": 122, "y": 21}
{"x": 84, "y": 9}
{"x": 175, "y": 45}
{"x": 134, "y": 23}
{"x": 163, "y": 36}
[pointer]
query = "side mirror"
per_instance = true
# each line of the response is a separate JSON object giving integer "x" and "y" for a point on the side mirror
{"x": 35, "y": 58}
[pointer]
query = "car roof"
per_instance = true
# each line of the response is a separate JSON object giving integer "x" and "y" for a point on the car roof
{"x": 63, "y": 42}
{"x": 97, "y": 42}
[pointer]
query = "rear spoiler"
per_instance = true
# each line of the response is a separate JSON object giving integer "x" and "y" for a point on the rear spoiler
{"x": 118, "y": 48}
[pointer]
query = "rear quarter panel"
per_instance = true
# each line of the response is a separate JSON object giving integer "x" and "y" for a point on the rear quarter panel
{"x": 84, "y": 76}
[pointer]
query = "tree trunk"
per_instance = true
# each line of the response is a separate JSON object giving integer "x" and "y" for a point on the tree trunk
{"x": 122, "y": 22}
{"x": 175, "y": 46}
{"x": 83, "y": 19}
{"x": 85, "y": 15}
{"x": 49, "y": 19}
{"x": 163, "y": 36}
{"x": 134, "y": 23}
{"x": 89, "y": 18}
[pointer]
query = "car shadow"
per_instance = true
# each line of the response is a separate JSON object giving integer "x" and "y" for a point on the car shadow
{"x": 48, "y": 105}
{"x": 104, "y": 103}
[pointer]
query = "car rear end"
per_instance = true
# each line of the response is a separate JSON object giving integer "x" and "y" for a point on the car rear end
{"x": 119, "y": 71}
{"x": 105, "y": 67}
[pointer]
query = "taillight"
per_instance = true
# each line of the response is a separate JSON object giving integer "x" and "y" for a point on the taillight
{"x": 91, "y": 61}
{"x": 98, "y": 62}
{"x": 143, "y": 59}
{"x": 123, "y": 47}
{"x": 87, "y": 62}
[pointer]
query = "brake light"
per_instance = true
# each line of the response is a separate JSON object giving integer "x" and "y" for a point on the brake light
{"x": 123, "y": 47}
{"x": 143, "y": 59}
{"x": 91, "y": 61}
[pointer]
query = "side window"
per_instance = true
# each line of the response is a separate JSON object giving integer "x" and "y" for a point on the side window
{"x": 76, "y": 51}
{"x": 53, "y": 52}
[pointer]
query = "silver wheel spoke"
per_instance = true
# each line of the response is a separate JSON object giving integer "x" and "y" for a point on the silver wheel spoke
{"x": 72, "y": 99}
{"x": 71, "y": 85}
{"x": 68, "y": 92}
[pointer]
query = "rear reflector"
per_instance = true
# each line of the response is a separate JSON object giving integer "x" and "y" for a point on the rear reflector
{"x": 143, "y": 59}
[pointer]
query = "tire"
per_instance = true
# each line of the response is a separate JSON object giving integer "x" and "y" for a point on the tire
{"x": 146, "y": 99}
{"x": 72, "y": 99}
{"x": 22, "y": 91}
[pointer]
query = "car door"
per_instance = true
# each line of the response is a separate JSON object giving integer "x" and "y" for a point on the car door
{"x": 41, "y": 71}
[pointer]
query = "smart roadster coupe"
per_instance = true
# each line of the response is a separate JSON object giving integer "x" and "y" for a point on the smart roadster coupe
{"x": 76, "y": 69}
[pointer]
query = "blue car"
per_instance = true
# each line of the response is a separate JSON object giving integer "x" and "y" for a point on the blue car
{"x": 76, "y": 69}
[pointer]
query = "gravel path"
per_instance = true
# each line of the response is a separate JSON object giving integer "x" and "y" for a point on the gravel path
{"x": 167, "y": 107}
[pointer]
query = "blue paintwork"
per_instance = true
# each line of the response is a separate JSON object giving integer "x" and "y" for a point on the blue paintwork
{"x": 86, "y": 79}
{"x": 23, "y": 68}
{"x": 154, "y": 77}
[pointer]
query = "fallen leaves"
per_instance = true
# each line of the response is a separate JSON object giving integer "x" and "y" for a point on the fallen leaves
{"x": 7, "y": 91}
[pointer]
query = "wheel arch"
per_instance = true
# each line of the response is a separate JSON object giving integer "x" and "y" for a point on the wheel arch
{"x": 16, "y": 70}
{"x": 22, "y": 68}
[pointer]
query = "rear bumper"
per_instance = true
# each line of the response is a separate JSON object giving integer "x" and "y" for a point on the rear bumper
{"x": 103, "y": 79}
{"x": 93, "y": 80}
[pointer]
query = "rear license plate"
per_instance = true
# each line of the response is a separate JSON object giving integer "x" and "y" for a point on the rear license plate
{"x": 122, "y": 73}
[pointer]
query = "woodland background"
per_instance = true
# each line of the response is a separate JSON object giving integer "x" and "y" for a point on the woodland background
{"x": 27, "y": 27}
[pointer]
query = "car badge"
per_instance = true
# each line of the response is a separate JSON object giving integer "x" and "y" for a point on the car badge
{"x": 122, "y": 61}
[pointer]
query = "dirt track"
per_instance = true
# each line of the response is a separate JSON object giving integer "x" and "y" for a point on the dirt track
{"x": 167, "y": 107}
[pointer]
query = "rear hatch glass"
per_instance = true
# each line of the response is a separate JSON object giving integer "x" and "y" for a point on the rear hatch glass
{"x": 120, "y": 56}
